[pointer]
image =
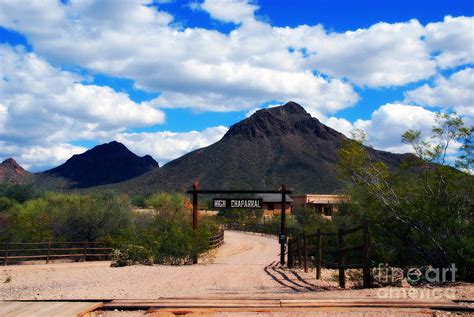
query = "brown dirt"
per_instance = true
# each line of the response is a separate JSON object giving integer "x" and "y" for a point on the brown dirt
{"x": 245, "y": 266}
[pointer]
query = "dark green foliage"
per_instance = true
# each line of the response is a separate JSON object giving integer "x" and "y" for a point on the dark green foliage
{"x": 127, "y": 255}
{"x": 61, "y": 217}
{"x": 138, "y": 201}
{"x": 422, "y": 212}
{"x": 163, "y": 235}
{"x": 6, "y": 203}
{"x": 18, "y": 193}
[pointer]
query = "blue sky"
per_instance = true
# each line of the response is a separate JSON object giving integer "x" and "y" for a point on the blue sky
{"x": 166, "y": 77}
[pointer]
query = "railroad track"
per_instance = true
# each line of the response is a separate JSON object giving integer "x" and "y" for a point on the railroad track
{"x": 217, "y": 306}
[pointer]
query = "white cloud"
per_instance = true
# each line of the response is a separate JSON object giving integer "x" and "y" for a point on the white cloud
{"x": 339, "y": 124}
{"x": 234, "y": 11}
{"x": 135, "y": 41}
{"x": 42, "y": 105}
{"x": 454, "y": 92}
{"x": 42, "y": 108}
{"x": 451, "y": 41}
{"x": 256, "y": 62}
{"x": 166, "y": 146}
{"x": 390, "y": 121}
{"x": 40, "y": 158}
{"x": 256, "y": 85}
{"x": 382, "y": 55}
{"x": 209, "y": 70}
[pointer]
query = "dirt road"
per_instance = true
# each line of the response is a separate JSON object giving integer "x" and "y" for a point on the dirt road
{"x": 245, "y": 266}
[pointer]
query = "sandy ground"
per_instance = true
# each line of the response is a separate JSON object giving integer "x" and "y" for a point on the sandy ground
{"x": 245, "y": 266}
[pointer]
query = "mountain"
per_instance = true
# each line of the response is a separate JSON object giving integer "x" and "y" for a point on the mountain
{"x": 12, "y": 172}
{"x": 280, "y": 145}
{"x": 104, "y": 164}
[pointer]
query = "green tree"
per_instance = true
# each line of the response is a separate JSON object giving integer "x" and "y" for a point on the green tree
{"x": 421, "y": 213}
{"x": 68, "y": 217}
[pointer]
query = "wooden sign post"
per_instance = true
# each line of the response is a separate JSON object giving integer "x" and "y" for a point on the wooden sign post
{"x": 244, "y": 203}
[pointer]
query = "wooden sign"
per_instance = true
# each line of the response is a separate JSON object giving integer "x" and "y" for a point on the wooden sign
{"x": 244, "y": 203}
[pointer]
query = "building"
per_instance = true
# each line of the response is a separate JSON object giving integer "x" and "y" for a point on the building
{"x": 323, "y": 204}
{"x": 271, "y": 204}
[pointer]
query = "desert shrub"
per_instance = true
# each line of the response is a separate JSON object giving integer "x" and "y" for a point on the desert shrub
{"x": 17, "y": 192}
{"x": 420, "y": 213}
{"x": 163, "y": 235}
{"x": 6, "y": 203}
{"x": 127, "y": 255}
{"x": 167, "y": 231}
{"x": 138, "y": 201}
{"x": 63, "y": 217}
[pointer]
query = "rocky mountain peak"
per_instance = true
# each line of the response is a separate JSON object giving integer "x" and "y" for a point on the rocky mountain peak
{"x": 10, "y": 163}
{"x": 104, "y": 164}
{"x": 290, "y": 118}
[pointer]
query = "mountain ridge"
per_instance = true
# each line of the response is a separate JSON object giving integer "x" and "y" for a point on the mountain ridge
{"x": 273, "y": 146}
{"x": 104, "y": 164}
{"x": 14, "y": 173}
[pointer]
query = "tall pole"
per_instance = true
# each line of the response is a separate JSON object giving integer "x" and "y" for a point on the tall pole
{"x": 283, "y": 225}
{"x": 195, "y": 215}
{"x": 195, "y": 206}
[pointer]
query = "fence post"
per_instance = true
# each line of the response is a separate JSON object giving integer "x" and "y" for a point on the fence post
{"x": 340, "y": 245}
{"x": 49, "y": 251}
{"x": 366, "y": 260}
{"x": 85, "y": 252}
{"x": 319, "y": 254}
{"x": 305, "y": 255}
{"x": 298, "y": 250}
{"x": 5, "y": 261}
{"x": 290, "y": 253}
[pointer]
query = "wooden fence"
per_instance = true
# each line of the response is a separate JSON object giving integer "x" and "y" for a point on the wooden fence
{"x": 217, "y": 240}
{"x": 298, "y": 253}
{"x": 255, "y": 228}
{"x": 14, "y": 252}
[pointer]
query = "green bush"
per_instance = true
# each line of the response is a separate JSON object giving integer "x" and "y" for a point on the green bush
{"x": 17, "y": 192}
{"x": 421, "y": 213}
{"x": 127, "y": 255}
{"x": 62, "y": 217}
{"x": 163, "y": 235}
{"x": 6, "y": 203}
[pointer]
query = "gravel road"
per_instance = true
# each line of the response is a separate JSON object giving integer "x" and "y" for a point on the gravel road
{"x": 246, "y": 265}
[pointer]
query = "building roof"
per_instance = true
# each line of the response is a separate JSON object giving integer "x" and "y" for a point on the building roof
{"x": 322, "y": 199}
{"x": 274, "y": 198}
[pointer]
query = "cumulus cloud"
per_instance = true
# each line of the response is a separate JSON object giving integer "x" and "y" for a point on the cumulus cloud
{"x": 43, "y": 107}
{"x": 339, "y": 124}
{"x": 42, "y": 104}
{"x": 451, "y": 41}
{"x": 166, "y": 146}
{"x": 234, "y": 11}
{"x": 387, "y": 124}
{"x": 207, "y": 69}
{"x": 382, "y": 55}
{"x": 40, "y": 158}
{"x": 455, "y": 92}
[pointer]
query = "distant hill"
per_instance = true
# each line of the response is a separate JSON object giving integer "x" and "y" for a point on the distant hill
{"x": 280, "y": 145}
{"x": 104, "y": 164}
{"x": 11, "y": 172}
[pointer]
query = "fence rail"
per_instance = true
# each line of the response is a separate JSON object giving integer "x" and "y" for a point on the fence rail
{"x": 14, "y": 252}
{"x": 217, "y": 240}
{"x": 298, "y": 253}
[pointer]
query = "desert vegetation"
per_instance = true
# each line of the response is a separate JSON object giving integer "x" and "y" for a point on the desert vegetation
{"x": 162, "y": 234}
{"x": 421, "y": 213}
